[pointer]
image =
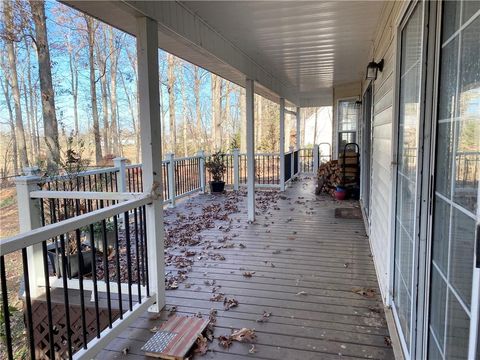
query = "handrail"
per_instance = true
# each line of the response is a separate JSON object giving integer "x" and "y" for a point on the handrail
{"x": 36, "y": 236}
{"x": 82, "y": 173}
{"x": 87, "y": 195}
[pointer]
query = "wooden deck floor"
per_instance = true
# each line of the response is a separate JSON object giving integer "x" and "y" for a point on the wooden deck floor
{"x": 320, "y": 265}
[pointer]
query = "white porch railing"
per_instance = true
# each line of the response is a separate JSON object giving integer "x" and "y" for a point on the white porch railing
{"x": 117, "y": 273}
{"x": 88, "y": 232}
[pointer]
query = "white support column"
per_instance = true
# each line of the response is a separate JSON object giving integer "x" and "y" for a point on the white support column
{"x": 299, "y": 134}
{"x": 316, "y": 158}
{"x": 29, "y": 218}
{"x": 150, "y": 130}
{"x": 201, "y": 171}
{"x": 282, "y": 144}
{"x": 236, "y": 169}
{"x": 121, "y": 163}
{"x": 249, "y": 111}
{"x": 171, "y": 179}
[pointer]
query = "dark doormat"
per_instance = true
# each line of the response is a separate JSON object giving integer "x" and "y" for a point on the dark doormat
{"x": 348, "y": 213}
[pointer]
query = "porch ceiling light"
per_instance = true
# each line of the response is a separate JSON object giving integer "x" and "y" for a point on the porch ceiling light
{"x": 373, "y": 68}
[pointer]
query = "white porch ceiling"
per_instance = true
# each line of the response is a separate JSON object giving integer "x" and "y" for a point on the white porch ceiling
{"x": 293, "y": 49}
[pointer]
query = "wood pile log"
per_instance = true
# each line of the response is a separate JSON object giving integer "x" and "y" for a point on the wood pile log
{"x": 329, "y": 176}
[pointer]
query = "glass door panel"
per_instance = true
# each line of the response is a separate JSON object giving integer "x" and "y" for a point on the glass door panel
{"x": 457, "y": 163}
{"x": 406, "y": 243}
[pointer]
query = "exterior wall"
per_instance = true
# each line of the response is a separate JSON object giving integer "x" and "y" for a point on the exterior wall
{"x": 352, "y": 90}
{"x": 382, "y": 155}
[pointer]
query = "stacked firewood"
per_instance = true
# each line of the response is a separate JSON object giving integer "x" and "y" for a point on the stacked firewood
{"x": 329, "y": 176}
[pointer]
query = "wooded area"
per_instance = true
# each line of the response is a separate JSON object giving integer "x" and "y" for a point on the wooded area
{"x": 66, "y": 75}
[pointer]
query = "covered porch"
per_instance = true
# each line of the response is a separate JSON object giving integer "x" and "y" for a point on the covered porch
{"x": 314, "y": 277}
{"x": 279, "y": 259}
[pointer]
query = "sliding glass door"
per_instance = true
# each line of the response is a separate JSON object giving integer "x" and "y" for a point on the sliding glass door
{"x": 453, "y": 307}
{"x": 407, "y": 175}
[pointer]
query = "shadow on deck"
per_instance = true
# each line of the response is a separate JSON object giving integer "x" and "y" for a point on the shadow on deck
{"x": 312, "y": 271}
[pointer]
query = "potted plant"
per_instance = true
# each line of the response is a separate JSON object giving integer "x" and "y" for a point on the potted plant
{"x": 69, "y": 165}
{"x": 216, "y": 166}
{"x": 98, "y": 235}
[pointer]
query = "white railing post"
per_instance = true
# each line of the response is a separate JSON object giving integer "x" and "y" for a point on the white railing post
{"x": 151, "y": 144}
{"x": 29, "y": 218}
{"x": 292, "y": 162}
{"x": 171, "y": 179}
{"x": 120, "y": 163}
{"x": 236, "y": 169}
{"x": 282, "y": 144}
{"x": 316, "y": 158}
{"x": 201, "y": 170}
{"x": 250, "y": 111}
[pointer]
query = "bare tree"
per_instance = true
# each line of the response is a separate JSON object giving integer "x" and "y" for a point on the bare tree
{"x": 243, "y": 121}
{"x": 114, "y": 52}
{"x": 12, "y": 63}
{"x": 216, "y": 89}
{"x": 50, "y": 124}
{"x": 171, "y": 101}
{"x": 5, "y": 89}
{"x": 91, "y": 30}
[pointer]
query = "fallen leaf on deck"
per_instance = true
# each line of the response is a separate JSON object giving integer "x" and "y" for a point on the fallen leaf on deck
{"x": 172, "y": 310}
{"x": 230, "y": 303}
{"x": 301, "y": 293}
{"x": 367, "y": 292}
{"x": 125, "y": 351}
{"x": 388, "y": 341}
{"x": 224, "y": 341}
{"x": 252, "y": 349}
{"x": 264, "y": 317}
{"x": 154, "y": 329}
{"x": 248, "y": 274}
{"x": 201, "y": 345}
{"x": 217, "y": 297}
{"x": 244, "y": 335}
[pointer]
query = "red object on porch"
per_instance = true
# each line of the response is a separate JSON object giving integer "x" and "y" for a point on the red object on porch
{"x": 175, "y": 337}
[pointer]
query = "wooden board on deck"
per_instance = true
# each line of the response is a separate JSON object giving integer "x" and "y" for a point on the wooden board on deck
{"x": 175, "y": 337}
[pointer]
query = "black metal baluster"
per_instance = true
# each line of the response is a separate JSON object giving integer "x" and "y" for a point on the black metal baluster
{"x": 6, "y": 310}
{"x": 106, "y": 270}
{"x": 139, "y": 287}
{"x": 147, "y": 284}
{"x": 142, "y": 246}
{"x": 141, "y": 178}
{"x": 129, "y": 260}
{"x": 46, "y": 274}
{"x": 119, "y": 274}
{"x": 65, "y": 296}
{"x": 94, "y": 272}
{"x": 80, "y": 276}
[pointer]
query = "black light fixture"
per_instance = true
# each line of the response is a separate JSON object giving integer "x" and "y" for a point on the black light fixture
{"x": 372, "y": 69}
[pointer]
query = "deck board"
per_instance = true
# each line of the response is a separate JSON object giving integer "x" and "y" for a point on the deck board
{"x": 312, "y": 251}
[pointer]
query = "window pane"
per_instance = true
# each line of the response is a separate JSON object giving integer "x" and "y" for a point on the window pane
{"x": 461, "y": 254}
{"x": 448, "y": 85}
{"x": 441, "y": 230}
{"x": 457, "y": 330}
{"x": 451, "y": 18}
{"x": 347, "y": 116}
{"x": 437, "y": 311}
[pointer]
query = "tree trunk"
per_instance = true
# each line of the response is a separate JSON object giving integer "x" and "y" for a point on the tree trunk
{"x": 113, "y": 93}
{"x": 184, "y": 112}
{"x": 102, "y": 61}
{"x": 243, "y": 122}
{"x": 93, "y": 92}
{"x": 29, "y": 127}
{"x": 171, "y": 102}
{"x": 12, "y": 62}
{"x": 31, "y": 107}
{"x": 6, "y": 93}
{"x": 216, "y": 88}
{"x": 50, "y": 124}
{"x": 74, "y": 89}
{"x": 196, "y": 94}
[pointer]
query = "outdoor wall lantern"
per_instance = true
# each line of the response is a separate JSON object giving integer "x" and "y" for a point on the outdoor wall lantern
{"x": 372, "y": 69}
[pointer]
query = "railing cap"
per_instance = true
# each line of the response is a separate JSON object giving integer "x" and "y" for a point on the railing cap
{"x": 27, "y": 180}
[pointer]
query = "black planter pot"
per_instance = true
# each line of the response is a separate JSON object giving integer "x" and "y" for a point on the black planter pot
{"x": 217, "y": 186}
{"x": 73, "y": 265}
